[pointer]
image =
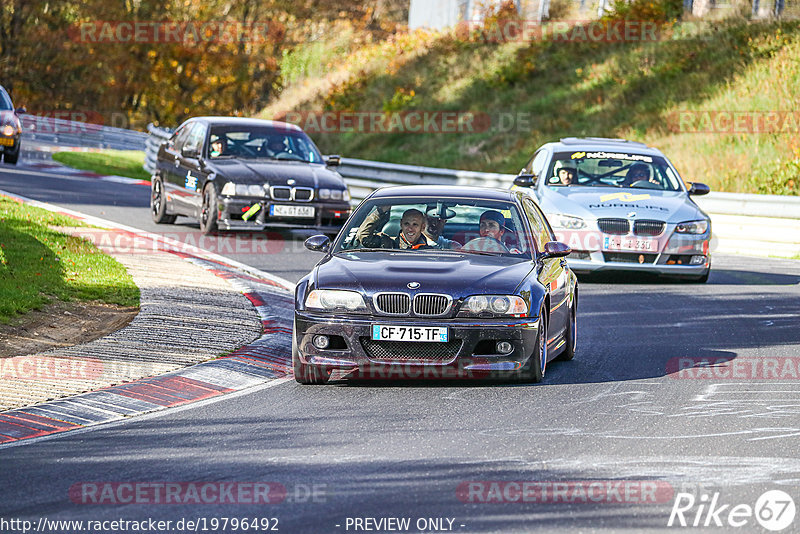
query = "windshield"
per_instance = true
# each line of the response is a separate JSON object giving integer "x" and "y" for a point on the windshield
{"x": 5, "y": 101}
{"x": 261, "y": 143}
{"x": 637, "y": 171}
{"x": 449, "y": 226}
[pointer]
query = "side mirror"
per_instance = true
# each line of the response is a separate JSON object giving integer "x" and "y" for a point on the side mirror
{"x": 556, "y": 249}
{"x": 699, "y": 189}
{"x": 318, "y": 243}
{"x": 21, "y": 110}
{"x": 333, "y": 160}
{"x": 189, "y": 152}
{"x": 525, "y": 180}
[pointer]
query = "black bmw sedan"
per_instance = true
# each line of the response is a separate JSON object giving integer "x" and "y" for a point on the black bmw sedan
{"x": 426, "y": 282}
{"x": 247, "y": 174}
{"x": 10, "y": 128}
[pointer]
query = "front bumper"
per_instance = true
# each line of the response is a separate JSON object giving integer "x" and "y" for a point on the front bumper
{"x": 470, "y": 353}
{"x": 679, "y": 256}
{"x": 597, "y": 264}
{"x": 12, "y": 148}
{"x": 328, "y": 216}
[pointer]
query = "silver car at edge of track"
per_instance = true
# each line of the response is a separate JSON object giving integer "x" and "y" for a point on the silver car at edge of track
{"x": 621, "y": 206}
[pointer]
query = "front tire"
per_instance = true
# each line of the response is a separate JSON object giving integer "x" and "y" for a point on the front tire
{"x": 158, "y": 203}
{"x": 11, "y": 159}
{"x": 307, "y": 374}
{"x": 534, "y": 369}
{"x": 208, "y": 213}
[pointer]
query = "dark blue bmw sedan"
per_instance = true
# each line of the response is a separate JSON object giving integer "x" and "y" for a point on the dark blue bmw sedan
{"x": 426, "y": 282}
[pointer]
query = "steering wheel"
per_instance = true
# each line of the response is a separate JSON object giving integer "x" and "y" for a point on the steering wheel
{"x": 287, "y": 156}
{"x": 645, "y": 184}
{"x": 485, "y": 244}
{"x": 372, "y": 241}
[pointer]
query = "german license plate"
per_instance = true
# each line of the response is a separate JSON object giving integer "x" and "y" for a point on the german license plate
{"x": 277, "y": 210}
{"x": 6, "y": 141}
{"x": 629, "y": 243}
{"x": 437, "y": 334}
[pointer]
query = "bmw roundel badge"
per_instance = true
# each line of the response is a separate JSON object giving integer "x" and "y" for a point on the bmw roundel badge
{"x": 413, "y": 285}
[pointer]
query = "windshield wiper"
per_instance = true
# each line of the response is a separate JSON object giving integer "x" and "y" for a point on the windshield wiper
{"x": 362, "y": 249}
{"x": 481, "y": 252}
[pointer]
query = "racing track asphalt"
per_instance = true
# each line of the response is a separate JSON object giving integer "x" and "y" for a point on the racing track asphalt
{"x": 381, "y": 450}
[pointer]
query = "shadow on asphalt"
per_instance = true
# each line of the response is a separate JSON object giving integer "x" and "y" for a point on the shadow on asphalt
{"x": 577, "y": 371}
{"x": 322, "y": 488}
{"x": 717, "y": 277}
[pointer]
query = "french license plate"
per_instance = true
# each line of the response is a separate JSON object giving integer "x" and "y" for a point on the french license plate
{"x": 6, "y": 141}
{"x": 277, "y": 210}
{"x": 410, "y": 333}
{"x": 629, "y": 243}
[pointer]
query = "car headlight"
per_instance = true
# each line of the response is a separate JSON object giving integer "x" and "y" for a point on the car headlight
{"x": 499, "y": 305}
{"x": 243, "y": 190}
{"x": 336, "y": 300}
{"x": 334, "y": 194}
{"x": 692, "y": 227}
{"x": 9, "y": 130}
{"x": 567, "y": 222}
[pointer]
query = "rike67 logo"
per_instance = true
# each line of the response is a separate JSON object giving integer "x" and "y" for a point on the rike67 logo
{"x": 774, "y": 510}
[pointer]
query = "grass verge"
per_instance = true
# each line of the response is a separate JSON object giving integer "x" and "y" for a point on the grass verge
{"x": 540, "y": 90}
{"x": 38, "y": 263}
{"x": 126, "y": 163}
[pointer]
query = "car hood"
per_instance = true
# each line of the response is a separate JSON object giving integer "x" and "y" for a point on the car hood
{"x": 596, "y": 202}
{"x": 276, "y": 173}
{"x": 458, "y": 275}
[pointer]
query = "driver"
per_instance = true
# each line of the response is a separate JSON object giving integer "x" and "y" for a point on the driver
{"x": 410, "y": 236}
{"x": 218, "y": 147}
{"x": 492, "y": 224}
{"x": 637, "y": 173}
{"x": 276, "y": 145}
{"x": 567, "y": 173}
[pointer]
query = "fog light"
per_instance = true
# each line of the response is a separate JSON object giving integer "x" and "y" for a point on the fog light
{"x": 697, "y": 260}
{"x": 321, "y": 342}
{"x": 504, "y": 347}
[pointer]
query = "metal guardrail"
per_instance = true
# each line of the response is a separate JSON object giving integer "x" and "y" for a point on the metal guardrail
{"x": 772, "y": 206}
{"x": 154, "y": 140}
{"x": 364, "y": 176}
{"x": 80, "y": 134}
